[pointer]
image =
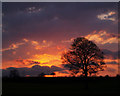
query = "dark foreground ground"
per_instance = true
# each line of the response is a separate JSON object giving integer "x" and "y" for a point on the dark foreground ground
{"x": 61, "y": 86}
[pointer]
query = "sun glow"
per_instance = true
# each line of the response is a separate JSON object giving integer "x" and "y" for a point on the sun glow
{"x": 48, "y": 59}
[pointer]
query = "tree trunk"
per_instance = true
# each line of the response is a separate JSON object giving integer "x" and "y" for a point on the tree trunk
{"x": 86, "y": 74}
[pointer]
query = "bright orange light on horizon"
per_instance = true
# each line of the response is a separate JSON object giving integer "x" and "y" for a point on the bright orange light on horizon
{"x": 48, "y": 60}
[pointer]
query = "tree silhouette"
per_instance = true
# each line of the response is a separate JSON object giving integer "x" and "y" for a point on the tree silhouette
{"x": 83, "y": 57}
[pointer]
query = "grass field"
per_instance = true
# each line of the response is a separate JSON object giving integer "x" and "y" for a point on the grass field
{"x": 66, "y": 86}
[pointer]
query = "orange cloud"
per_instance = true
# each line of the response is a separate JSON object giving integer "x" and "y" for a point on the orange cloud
{"x": 111, "y": 60}
{"x": 13, "y": 46}
{"x": 68, "y": 41}
{"x": 111, "y": 70}
{"x": 28, "y": 53}
{"x": 102, "y": 37}
{"x": 34, "y": 42}
{"x": 44, "y": 41}
{"x": 26, "y": 40}
{"x": 14, "y": 52}
{"x": 60, "y": 74}
{"x": 44, "y": 44}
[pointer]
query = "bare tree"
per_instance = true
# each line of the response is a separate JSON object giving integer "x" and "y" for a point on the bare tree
{"x": 83, "y": 56}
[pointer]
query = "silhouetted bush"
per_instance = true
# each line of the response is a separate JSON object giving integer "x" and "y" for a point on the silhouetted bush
{"x": 41, "y": 75}
{"x": 106, "y": 76}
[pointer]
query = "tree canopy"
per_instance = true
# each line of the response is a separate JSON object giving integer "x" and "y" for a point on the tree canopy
{"x": 83, "y": 57}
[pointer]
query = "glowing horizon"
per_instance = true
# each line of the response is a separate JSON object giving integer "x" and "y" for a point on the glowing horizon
{"x": 42, "y": 32}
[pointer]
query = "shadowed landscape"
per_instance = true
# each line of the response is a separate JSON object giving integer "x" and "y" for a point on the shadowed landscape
{"x": 61, "y": 85}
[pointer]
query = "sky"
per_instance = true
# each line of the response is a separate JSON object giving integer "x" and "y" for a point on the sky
{"x": 34, "y": 35}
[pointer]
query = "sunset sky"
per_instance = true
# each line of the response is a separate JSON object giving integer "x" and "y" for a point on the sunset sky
{"x": 38, "y": 33}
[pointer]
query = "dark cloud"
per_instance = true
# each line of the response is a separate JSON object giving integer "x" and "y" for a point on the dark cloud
{"x": 112, "y": 47}
{"x": 113, "y": 62}
{"x": 110, "y": 54}
{"x": 111, "y": 69}
{"x": 9, "y": 7}
{"x": 33, "y": 71}
{"x": 56, "y": 20}
{"x": 28, "y": 62}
